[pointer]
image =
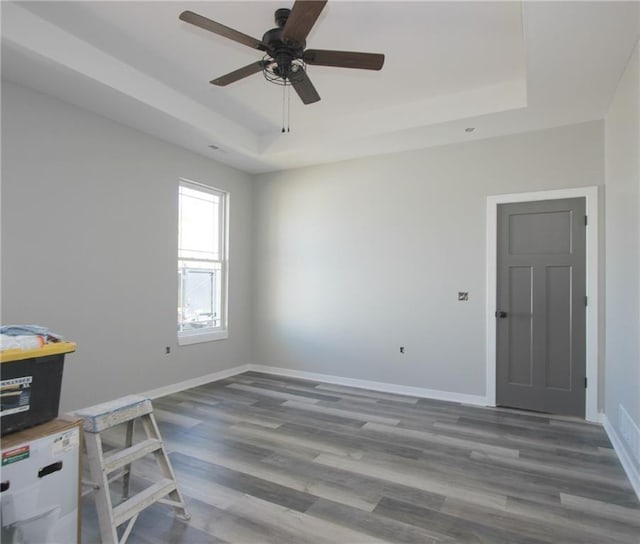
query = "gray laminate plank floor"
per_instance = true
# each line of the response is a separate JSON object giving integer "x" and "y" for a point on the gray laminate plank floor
{"x": 264, "y": 459}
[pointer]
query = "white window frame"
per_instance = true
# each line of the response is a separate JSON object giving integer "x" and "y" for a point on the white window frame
{"x": 221, "y": 332}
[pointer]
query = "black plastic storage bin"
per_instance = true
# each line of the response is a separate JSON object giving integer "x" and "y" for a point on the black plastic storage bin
{"x": 30, "y": 383}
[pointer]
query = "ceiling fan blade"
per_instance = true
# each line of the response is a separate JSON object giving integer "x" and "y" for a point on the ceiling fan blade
{"x": 303, "y": 86}
{"x": 221, "y": 30}
{"x": 303, "y": 16}
{"x": 344, "y": 59}
{"x": 238, "y": 74}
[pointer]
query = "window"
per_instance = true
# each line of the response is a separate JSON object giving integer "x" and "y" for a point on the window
{"x": 202, "y": 263}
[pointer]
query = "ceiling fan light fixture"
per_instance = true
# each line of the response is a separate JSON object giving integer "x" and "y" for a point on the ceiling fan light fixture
{"x": 281, "y": 73}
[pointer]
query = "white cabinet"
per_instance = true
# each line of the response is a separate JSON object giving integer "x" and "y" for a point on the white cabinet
{"x": 40, "y": 484}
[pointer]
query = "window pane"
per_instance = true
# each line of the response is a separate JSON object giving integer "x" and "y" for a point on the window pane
{"x": 199, "y": 235}
{"x": 198, "y": 305}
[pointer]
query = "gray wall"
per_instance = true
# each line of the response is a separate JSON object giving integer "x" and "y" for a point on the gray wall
{"x": 89, "y": 245}
{"x": 348, "y": 260}
{"x": 622, "y": 144}
{"x": 354, "y": 259}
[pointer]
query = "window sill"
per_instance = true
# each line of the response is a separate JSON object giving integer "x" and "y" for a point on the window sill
{"x": 186, "y": 339}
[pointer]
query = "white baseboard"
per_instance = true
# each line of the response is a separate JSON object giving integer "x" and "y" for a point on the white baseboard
{"x": 195, "y": 382}
{"x": 625, "y": 458}
{"x": 373, "y": 386}
{"x": 408, "y": 390}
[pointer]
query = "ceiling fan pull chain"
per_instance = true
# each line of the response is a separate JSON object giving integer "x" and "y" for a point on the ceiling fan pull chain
{"x": 284, "y": 89}
{"x": 288, "y": 109}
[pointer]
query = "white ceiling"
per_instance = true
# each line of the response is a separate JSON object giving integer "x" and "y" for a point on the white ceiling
{"x": 501, "y": 67}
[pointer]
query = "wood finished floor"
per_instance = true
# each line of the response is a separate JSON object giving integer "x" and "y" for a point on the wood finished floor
{"x": 280, "y": 460}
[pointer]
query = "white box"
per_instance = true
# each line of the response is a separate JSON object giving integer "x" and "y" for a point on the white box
{"x": 40, "y": 481}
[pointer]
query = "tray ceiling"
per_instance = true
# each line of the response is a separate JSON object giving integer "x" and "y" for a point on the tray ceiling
{"x": 500, "y": 67}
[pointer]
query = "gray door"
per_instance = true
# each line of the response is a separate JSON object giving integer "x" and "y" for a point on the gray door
{"x": 540, "y": 317}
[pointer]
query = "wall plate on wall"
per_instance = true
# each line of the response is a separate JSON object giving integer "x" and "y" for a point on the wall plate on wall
{"x": 463, "y": 296}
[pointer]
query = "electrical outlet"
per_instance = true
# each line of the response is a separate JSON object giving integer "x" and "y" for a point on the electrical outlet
{"x": 401, "y": 349}
{"x": 167, "y": 350}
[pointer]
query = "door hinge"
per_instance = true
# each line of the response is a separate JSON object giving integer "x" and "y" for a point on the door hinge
{"x": 586, "y": 220}
{"x": 586, "y": 300}
{"x": 585, "y": 383}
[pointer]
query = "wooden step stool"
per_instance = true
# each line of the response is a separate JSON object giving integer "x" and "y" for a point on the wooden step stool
{"x": 108, "y": 467}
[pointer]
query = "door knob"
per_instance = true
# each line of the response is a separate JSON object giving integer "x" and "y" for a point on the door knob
{"x": 501, "y": 315}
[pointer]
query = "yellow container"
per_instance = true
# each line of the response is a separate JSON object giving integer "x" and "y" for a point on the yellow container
{"x": 10, "y": 355}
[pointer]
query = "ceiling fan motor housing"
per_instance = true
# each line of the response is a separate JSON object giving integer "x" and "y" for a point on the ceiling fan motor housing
{"x": 283, "y": 53}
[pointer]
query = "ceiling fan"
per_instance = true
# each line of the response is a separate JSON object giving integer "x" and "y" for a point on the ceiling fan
{"x": 285, "y": 57}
